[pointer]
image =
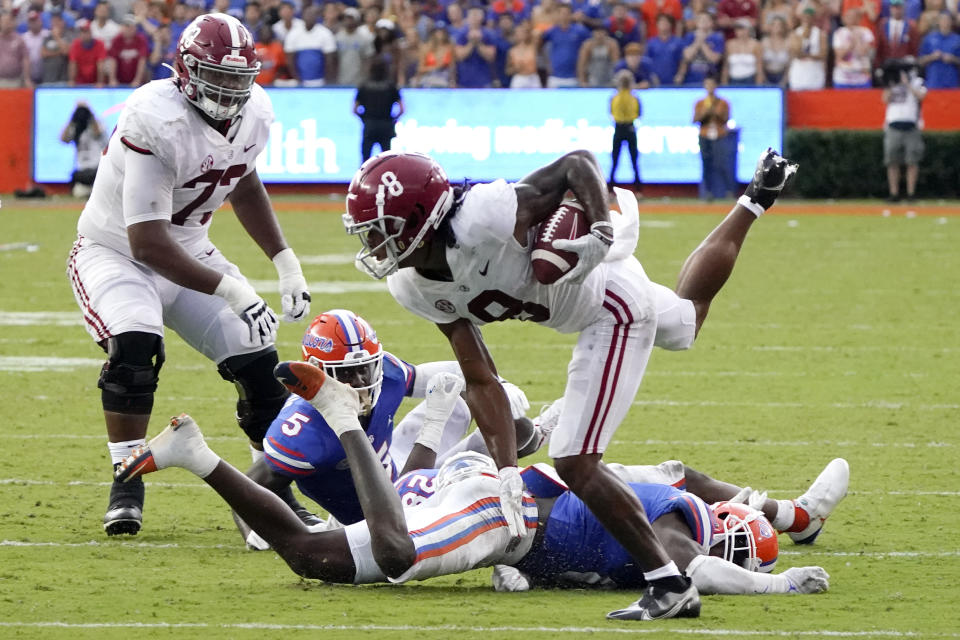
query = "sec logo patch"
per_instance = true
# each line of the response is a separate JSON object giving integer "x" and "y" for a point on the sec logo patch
{"x": 445, "y": 306}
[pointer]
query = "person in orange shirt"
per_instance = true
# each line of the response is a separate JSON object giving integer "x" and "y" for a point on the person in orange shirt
{"x": 650, "y": 10}
{"x": 273, "y": 61}
{"x": 712, "y": 113}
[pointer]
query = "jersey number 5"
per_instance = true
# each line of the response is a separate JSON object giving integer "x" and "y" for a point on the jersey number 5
{"x": 212, "y": 178}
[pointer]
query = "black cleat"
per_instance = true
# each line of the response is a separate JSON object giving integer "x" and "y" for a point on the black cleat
{"x": 308, "y": 518}
{"x": 125, "y": 514}
{"x": 658, "y": 603}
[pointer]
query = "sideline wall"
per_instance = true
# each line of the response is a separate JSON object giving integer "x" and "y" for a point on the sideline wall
{"x": 828, "y": 109}
{"x": 16, "y": 138}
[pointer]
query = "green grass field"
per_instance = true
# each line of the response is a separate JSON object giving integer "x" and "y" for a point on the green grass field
{"x": 834, "y": 337}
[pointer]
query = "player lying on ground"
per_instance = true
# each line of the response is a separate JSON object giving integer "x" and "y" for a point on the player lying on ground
{"x": 461, "y": 258}
{"x": 143, "y": 259}
{"x": 299, "y": 447}
{"x": 463, "y": 526}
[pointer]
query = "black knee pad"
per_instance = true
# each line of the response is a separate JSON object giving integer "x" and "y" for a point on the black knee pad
{"x": 129, "y": 377}
{"x": 261, "y": 396}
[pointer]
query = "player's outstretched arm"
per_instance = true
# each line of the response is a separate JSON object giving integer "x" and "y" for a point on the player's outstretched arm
{"x": 491, "y": 409}
{"x": 339, "y": 405}
{"x": 443, "y": 392}
{"x": 255, "y": 213}
{"x": 716, "y": 576}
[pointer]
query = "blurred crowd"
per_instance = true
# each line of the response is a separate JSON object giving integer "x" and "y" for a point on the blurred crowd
{"x": 797, "y": 44}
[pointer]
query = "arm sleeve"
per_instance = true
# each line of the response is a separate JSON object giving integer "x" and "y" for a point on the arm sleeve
{"x": 423, "y": 373}
{"x": 147, "y": 187}
{"x": 716, "y": 576}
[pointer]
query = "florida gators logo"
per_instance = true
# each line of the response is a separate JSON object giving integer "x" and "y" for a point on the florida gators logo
{"x": 318, "y": 342}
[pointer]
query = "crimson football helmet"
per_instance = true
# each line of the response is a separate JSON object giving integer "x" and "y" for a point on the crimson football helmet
{"x": 345, "y": 346}
{"x": 395, "y": 203}
{"x": 216, "y": 64}
{"x": 466, "y": 464}
{"x": 748, "y": 538}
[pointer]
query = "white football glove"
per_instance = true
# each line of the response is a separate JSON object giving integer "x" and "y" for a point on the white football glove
{"x": 294, "y": 297}
{"x": 511, "y": 502}
{"x": 339, "y": 404}
{"x": 750, "y": 497}
{"x": 443, "y": 390}
{"x": 519, "y": 405}
{"x": 244, "y": 301}
{"x": 591, "y": 251}
{"x": 807, "y": 579}
{"x": 506, "y": 578}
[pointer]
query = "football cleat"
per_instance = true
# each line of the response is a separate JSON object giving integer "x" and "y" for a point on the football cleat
{"x": 822, "y": 498}
{"x": 173, "y": 447}
{"x": 300, "y": 378}
{"x": 771, "y": 176}
{"x": 125, "y": 513}
{"x": 548, "y": 420}
{"x": 657, "y": 603}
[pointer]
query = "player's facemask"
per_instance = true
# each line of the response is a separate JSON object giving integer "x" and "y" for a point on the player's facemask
{"x": 360, "y": 370}
{"x": 221, "y": 91}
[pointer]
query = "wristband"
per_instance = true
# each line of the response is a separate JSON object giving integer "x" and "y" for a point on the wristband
{"x": 754, "y": 207}
{"x": 287, "y": 264}
{"x": 603, "y": 231}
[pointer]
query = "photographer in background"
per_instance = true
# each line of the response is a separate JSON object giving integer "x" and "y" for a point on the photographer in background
{"x": 89, "y": 137}
{"x": 902, "y": 143}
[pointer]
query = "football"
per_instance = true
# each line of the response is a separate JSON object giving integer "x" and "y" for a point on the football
{"x": 569, "y": 223}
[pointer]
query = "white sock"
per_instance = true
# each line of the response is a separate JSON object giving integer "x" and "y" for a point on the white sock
{"x": 202, "y": 461}
{"x": 667, "y": 570}
{"x": 120, "y": 450}
{"x": 256, "y": 455}
{"x": 785, "y": 514}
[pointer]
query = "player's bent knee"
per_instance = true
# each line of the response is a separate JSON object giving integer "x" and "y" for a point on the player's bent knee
{"x": 261, "y": 396}
{"x": 129, "y": 378}
{"x": 578, "y": 471}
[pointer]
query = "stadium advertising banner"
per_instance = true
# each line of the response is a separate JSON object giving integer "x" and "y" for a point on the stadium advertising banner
{"x": 474, "y": 134}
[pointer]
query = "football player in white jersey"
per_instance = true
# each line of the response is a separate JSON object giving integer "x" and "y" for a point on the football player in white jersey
{"x": 726, "y": 548}
{"x": 143, "y": 259}
{"x": 461, "y": 258}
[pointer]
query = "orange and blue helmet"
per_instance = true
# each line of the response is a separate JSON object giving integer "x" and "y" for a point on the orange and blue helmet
{"x": 346, "y": 347}
{"x": 748, "y": 538}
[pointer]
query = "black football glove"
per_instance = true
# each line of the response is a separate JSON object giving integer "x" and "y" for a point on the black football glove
{"x": 773, "y": 173}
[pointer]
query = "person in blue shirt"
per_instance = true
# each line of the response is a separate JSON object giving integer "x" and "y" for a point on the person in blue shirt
{"x": 939, "y": 55}
{"x": 589, "y": 13}
{"x": 475, "y": 52}
{"x": 638, "y": 64}
{"x": 565, "y": 39}
{"x": 702, "y": 53}
{"x": 665, "y": 51}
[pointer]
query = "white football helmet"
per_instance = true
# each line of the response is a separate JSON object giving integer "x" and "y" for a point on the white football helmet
{"x": 467, "y": 464}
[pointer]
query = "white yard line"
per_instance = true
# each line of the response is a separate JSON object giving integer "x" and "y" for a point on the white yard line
{"x": 21, "y": 364}
{"x": 629, "y": 629}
